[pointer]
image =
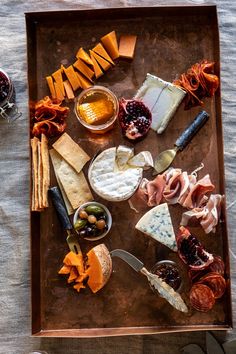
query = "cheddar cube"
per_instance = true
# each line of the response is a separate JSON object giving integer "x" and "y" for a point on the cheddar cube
{"x": 127, "y": 46}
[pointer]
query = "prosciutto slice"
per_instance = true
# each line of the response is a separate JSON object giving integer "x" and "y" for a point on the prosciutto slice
{"x": 176, "y": 186}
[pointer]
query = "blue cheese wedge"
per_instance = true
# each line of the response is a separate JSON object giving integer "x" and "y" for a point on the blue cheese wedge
{"x": 162, "y": 98}
{"x": 157, "y": 224}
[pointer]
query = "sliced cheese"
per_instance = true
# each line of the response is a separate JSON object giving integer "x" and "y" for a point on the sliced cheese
{"x": 123, "y": 155}
{"x": 143, "y": 159}
{"x": 57, "y": 75}
{"x": 100, "y": 50}
{"x": 81, "y": 54}
{"x": 69, "y": 91}
{"x": 162, "y": 98}
{"x": 59, "y": 94}
{"x": 105, "y": 65}
{"x": 72, "y": 77}
{"x": 99, "y": 267}
{"x": 108, "y": 181}
{"x": 51, "y": 87}
{"x": 157, "y": 224}
{"x": 110, "y": 43}
{"x": 84, "y": 83}
{"x": 84, "y": 69}
{"x": 127, "y": 46}
{"x": 97, "y": 70}
{"x": 71, "y": 152}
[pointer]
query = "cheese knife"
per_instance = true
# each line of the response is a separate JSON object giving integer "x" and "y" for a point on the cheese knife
{"x": 58, "y": 202}
{"x": 161, "y": 286}
{"x": 165, "y": 158}
{"x": 213, "y": 347}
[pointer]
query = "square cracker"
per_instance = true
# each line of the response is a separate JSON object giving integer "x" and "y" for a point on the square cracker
{"x": 71, "y": 152}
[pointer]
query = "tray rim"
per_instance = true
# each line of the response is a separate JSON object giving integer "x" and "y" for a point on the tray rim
{"x": 31, "y": 19}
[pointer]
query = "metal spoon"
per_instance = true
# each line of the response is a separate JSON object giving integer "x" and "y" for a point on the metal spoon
{"x": 165, "y": 158}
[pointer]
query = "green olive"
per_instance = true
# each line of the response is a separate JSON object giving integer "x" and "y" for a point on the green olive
{"x": 94, "y": 209}
{"x": 80, "y": 224}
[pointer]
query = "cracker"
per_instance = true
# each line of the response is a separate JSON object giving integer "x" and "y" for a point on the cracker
{"x": 71, "y": 152}
{"x": 40, "y": 177}
{"x": 45, "y": 170}
{"x": 34, "y": 161}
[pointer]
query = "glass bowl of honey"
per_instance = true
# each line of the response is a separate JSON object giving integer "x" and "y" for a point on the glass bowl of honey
{"x": 97, "y": 109}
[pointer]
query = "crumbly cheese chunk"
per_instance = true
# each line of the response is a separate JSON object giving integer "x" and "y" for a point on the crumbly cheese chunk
{"x": 157, "y": 224}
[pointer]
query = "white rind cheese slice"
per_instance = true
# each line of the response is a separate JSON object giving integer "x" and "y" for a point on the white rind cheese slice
{"x": 143, "y": 159}
{"x": 162, "y": 98}
{"x": 123, "y": 155}
{"x": 157, "y": 224}
{"x": 111, "y": 183}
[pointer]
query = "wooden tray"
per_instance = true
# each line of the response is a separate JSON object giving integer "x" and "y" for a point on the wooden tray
{"x": 170, "y": 40}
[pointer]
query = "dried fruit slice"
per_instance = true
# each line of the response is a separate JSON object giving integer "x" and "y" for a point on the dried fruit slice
{"x": 217, "y": 265}
{"x": 135, "y": 118}
{"x": 191, "y": 251}
{"x": 110, "y": 43}
{"x": 201, "y": 297}
{"x": 215, "y": 282}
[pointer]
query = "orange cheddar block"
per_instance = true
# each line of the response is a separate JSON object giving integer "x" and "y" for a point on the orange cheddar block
{"x": 58, "y": 78}
{"x": 97, "y": 70}
{"x": 72, "y": 77}
{"x": 105, "y": 65}
{"x": 84, "y": 69}
{"x": 110, "y": 43}
{"x": 81, "y": 54}
{"x": 51, "y": 86}
{"x": 127, "y": 46}
{"x": 59, "y": 94}
{"x": 100, "y": 50}
{"x": 69, "y": 92}
{"x": 84, "y": 83}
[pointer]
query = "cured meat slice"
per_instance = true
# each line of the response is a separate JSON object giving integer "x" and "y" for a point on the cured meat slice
{"x": 197, "y": 194}
{"x": 155, "y": 190}
{"x": 215, "y": 282}
{"x": 217, "y": 266}
{"x": 176, "y": 186}
{"x": 201, "y": 297}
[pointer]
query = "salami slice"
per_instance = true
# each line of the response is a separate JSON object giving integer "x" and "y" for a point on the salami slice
{"x": 217, "y": 265}
{"x": 201, "y": 297}
{"x": 215, "y": 282}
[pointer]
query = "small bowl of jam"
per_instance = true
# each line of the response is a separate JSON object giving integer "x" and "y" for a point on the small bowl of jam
{"x": 97, "y": 108}
{"x": 169, "y": 272}
{"x": 8, "y": 108}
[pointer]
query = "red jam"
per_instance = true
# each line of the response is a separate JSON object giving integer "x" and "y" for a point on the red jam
{"x": 169, "y": 273}
{"x": 4, "y": 87}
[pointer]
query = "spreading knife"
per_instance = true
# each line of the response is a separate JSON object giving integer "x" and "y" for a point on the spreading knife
{"x": 58, "y": 202}
{"x": 165, "y": 158}
{"x": 162, "y": 287}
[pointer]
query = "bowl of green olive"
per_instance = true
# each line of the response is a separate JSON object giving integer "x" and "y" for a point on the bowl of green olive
{"x": 92, "y": 221}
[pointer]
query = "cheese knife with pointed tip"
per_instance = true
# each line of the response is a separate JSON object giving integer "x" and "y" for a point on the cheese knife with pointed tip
{"x": 165, "y": 158}
{"x": 58, "y": 202}
{"x": 164, "y": 290}
{"x": 213, "y": 347}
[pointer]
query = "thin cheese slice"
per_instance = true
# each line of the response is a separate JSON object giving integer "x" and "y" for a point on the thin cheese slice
{"x": 105, "y": 65}
{"x": 45, "y": 170}
{"x": 97, "y": 70}
{"x": 59, "y": 94}
{"x": 71, "y": 152}
{"x": 157, "y": 224}
{"x": 100, "y": 50}
{"x": 57, "y": 75}
{"x": 84, "y": 83}
{"x": 56, "y": 162}
{"x": 127, "y": 46}
{"x": 84, "y": 69}
{"x": 81, "y": 54}
{"x": 51, "y": 86}
{"x": 69, "y": 91}
{"x": 110, "y": 43}
{"x": 72, "y": 77}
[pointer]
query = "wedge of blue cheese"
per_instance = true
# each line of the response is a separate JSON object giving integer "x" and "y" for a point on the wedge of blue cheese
{"x": 162, "y": 98}
{"x": 157, "y": 224}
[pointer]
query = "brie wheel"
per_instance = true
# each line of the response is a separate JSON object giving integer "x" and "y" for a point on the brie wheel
{"x": 109, "y": 181}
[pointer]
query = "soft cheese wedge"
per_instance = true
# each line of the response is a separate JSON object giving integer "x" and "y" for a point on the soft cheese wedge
{"x": 157, "y": 224}
{"x": 109, "y": 181}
